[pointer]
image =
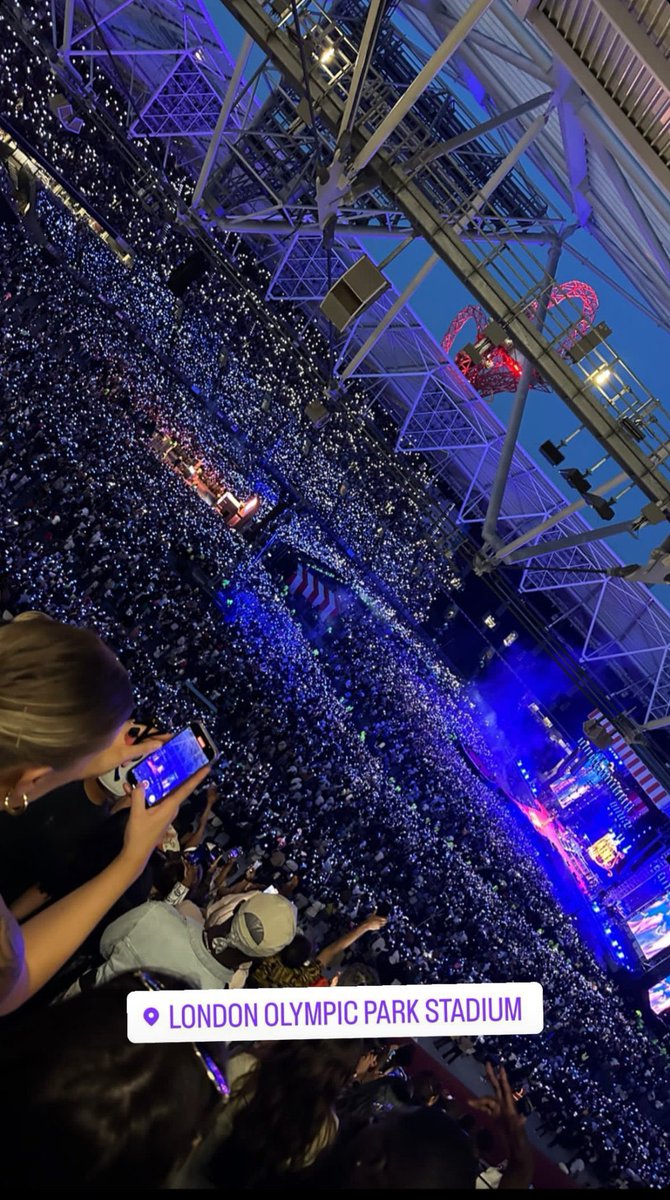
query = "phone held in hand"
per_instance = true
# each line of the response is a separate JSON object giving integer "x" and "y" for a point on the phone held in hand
{"x": 166, "y": 769}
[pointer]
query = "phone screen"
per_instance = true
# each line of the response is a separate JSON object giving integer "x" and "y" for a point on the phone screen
{"x": 171, "y": 766}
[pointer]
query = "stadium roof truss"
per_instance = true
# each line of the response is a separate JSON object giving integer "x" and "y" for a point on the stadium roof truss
{"x": 585, "y": 84}
{"x": 165, "y": 55}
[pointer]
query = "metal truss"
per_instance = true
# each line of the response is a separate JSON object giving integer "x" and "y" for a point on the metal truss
{"x": 302, "y": 268}
{"x": 463, "y": 438}
{"x": 261, "y": 182}
{"x": 165, "y": 56}
{"x": 580, "y": 49}
{"x": 184, "y": 105}
{"x": 506, "y": 288}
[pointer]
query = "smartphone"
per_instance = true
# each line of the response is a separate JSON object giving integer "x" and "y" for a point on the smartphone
{"x": 175, "y": 762}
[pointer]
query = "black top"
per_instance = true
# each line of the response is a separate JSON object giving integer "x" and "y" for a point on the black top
{"x": 48, "y": 833}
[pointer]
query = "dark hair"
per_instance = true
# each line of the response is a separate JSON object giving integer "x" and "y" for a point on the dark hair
{"x": 167, "y": 872}
{"x": 357, "y": 974}
{"x": 405, "y": 1149}
{"x": 404, "y": 1055}
{"x": 425, "y": 1087}
{"x": 297, "y": 952}
{"x": 286, "y": 1102}
{"x": 83, "y": 1106}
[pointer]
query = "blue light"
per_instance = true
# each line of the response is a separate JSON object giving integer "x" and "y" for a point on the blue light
{"x": 476, "y": 89}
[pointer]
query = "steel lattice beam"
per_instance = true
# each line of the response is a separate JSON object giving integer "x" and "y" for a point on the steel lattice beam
{"x": 402, "y": 368}
{"x": 484, "y": 284}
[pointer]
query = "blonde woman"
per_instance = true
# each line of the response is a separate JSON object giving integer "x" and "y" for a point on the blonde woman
{"x": 65, "y": 707}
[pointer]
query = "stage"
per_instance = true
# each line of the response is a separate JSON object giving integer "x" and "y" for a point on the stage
{"x": 604, "y": 844}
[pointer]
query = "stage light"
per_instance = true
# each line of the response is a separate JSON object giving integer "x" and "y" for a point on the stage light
{"x": 602, "y": 506}
{"x": 552, "y": 454}
{"x": 327, "y": 55}
{"x": 601, "y": 377}
{"x": 490, "y": 621}
{"x": 577, "y": 480}
{"x": 511, "y": 638}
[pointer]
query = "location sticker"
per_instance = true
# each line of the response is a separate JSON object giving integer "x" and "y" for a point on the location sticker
{"x": 268, "y": 1014}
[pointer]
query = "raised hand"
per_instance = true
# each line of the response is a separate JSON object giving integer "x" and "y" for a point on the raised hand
{"x": 501, "y": 1107}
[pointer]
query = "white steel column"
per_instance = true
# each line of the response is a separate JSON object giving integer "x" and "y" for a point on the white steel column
{"x": 425, "y": 77}
{"x": 563, "y": 513}
{"x": 68, "y": 20}
{"x": 389, "y": 316}
{"x": 226, "y": 109}
{"x": 473, "y": 207}
{"x": 361, "y": 66}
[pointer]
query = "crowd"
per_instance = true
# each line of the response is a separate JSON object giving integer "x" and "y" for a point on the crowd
{"x": 341, "y": 773}
{"x": 341, "y": 782}
{"x": 227, "y": 342}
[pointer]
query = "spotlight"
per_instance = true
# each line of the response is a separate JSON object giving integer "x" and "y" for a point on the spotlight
{"x": 490, "y": 621}
{"x": 633, "y": 427}
{"x": 601, "y": 377}
{"x": 552, "y": 454}
{"x": 327, "y": 55}
{"x": 317, "y": 414}
{"x": 602, "y": 506}
{"x": 599, "y": 736}
{"x": 577, "y": 480}
{"x": 61, "y": 108}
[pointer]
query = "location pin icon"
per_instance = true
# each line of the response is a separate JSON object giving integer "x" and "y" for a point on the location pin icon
{"x": 151, "y": 1015}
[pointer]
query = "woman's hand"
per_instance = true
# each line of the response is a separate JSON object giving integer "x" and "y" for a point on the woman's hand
{"x": 146, "y": 826}
{"x": 123, "y": 750}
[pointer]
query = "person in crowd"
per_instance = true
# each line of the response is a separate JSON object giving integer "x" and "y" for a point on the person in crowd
{"x": 426, "y": 1089}
{"x": 282, "y": 1115}
{"x": 65, "y": 704}
{"x": 159, "y": 936}
{"x": 356, "y": 974}
{"x": 82, "y": 1107}
{"x": 298, "y": 966}
{"x": 404, "y": 1148}
{"x": 172, "y": 869}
